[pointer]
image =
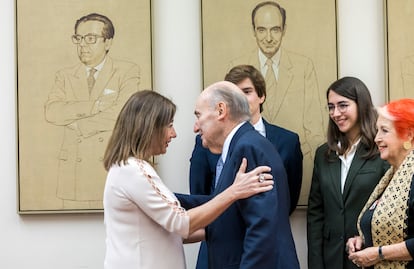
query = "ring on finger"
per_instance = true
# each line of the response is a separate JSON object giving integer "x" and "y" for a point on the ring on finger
{"x": 261, "y": 178}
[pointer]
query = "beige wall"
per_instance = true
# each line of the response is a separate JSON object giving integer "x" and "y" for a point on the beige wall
{"x": 77, "y": 241}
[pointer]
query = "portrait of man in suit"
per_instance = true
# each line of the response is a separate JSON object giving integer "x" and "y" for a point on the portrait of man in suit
{"x": 76, "y": 68}
{"x": 85, "y": 101}
{"x": 291, "y": 81}
{"x": 295, "y": 89}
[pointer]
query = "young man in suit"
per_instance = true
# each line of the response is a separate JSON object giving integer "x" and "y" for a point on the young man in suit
{"x": 254, "y": 232}
{"x": 203, "y": 162}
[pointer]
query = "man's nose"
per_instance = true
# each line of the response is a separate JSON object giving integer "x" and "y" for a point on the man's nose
{"x": 269, "y": 36}
{"x": 196, "y": 129}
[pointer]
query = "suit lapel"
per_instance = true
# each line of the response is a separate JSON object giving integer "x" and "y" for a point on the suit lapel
{"x": 335, "y": 172}
{"x": 104, "y": 76}
{"x": 285, "y": 77}
{"x": 229, "y": 164}
{"x": 356, "y": 165}
{"x": 276, "y": 95}
{"x": 79, "y": 83}
{"x": 271, "y": 133}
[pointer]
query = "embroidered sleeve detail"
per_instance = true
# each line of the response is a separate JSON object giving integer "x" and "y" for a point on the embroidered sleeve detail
{"x": 175, "y": 205}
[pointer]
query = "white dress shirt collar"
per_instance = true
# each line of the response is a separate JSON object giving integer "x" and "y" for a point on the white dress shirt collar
{"x": 260, "y": 127}
{"x": 226, "y": 144}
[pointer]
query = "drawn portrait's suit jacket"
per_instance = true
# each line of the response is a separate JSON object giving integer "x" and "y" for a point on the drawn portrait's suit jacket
{"x": 295, "y": 103}
{"x": 253, "y": 232}
{"x": 330, "y": 212}
{"x": 88, "y": 120}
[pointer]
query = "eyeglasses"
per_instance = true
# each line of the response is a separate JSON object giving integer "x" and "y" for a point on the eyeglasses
{"x": 342, "y": 107}
{"x": 89, "y": 38}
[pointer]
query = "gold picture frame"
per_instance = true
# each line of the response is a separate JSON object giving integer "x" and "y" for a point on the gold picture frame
{"x": 60, "y": 166}
{"x": 399, "y": 16}
{"x": 310, "y": 38}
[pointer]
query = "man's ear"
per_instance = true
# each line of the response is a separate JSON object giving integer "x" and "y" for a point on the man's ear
{"x": 108, "y": 44}
{"x": 221, "y": 109}
{"x": 284, "y": 30}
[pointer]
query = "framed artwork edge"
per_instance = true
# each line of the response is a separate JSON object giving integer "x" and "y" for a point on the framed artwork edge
{"x": 30, "y": 161}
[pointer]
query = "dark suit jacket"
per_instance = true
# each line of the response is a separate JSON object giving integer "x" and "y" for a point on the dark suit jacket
{"x": 203, "y": 162}
{"x": 332, "y": 216}
{"x": 253, "y": 232}
{"x": 288, "y": 146}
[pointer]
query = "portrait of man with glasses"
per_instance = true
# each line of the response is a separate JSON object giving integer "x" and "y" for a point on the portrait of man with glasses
{"x": 85, "y": 101}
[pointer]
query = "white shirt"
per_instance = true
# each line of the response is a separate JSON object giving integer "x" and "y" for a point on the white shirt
{"x": 226, "y": 144}
{"x": 346, "y": 161}
{"x": 98, "y": 69}
{"x": 260, "y": 127}
{"x": 144, "y": 221}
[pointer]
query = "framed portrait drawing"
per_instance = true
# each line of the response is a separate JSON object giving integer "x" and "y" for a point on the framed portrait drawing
{"x": 400, "y": 49}
{"x": 77, "y": 63}
{"x": 302, "y": 44}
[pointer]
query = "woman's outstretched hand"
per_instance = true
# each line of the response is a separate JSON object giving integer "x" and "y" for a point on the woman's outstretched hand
{"x": 256, "y": 181}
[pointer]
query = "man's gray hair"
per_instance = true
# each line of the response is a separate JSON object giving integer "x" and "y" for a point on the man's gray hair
{"x": 236, "y": 101}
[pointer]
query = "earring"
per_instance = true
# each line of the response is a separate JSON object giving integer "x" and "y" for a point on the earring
{"x": 407, "y": 145}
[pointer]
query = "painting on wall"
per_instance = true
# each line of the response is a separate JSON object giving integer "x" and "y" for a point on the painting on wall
{"x": 301, "y": 40}
{"x": 400, "y": 49}
{"x": 77, "y": 63}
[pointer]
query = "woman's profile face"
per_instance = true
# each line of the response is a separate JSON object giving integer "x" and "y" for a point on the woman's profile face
{"x": 159, "y": 146}
{"x": 344, "y": 113}
{"x": 389, "y": 144}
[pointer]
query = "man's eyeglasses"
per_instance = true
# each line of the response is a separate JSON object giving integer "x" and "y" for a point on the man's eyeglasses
{"x": 89, "y": 38}
{"x": 342, "y": 107}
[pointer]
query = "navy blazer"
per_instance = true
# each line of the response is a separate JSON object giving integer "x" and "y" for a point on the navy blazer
{"x": 253, "y": 232}
{"x": 203, "y": 162}
{"x": 288, "y": 146}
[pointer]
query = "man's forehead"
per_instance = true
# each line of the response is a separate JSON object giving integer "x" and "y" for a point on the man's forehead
{"x": 90, "y": 25}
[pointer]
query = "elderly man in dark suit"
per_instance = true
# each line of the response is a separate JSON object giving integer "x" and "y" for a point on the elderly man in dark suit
{"x": 254, "y": 232}
{"x": 203, "y": 162}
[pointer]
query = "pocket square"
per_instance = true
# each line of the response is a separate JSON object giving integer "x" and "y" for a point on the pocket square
{"x": 108, "y": 91}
